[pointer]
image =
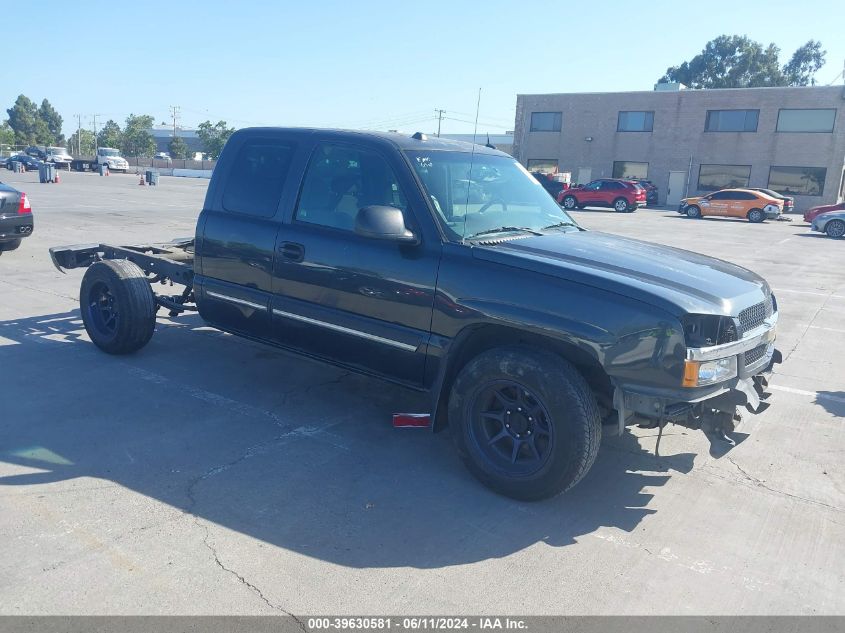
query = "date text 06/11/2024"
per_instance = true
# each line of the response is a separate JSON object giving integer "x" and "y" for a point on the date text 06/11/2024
{"x": 430, "y": 623}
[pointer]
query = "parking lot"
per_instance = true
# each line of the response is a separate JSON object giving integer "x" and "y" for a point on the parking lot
{"x": 211, "y": 475}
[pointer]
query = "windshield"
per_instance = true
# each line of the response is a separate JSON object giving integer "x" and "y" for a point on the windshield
{"x": 60, "y": 151}
{"x": 109, "y": 152}
{"x": 483, "y": 194}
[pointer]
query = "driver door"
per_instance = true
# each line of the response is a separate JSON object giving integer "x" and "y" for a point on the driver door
{"x": 591, "y": 193}
{"x": 354, "y": 300}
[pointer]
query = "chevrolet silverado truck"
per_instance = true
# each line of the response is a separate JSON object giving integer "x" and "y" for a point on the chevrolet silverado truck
{"x": 531, "y": 335}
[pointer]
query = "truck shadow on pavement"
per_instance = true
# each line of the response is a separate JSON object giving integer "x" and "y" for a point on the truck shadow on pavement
{"x": 299, "y": 455}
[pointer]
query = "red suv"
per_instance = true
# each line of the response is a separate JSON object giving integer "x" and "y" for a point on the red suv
{"x": 623, "y": 195}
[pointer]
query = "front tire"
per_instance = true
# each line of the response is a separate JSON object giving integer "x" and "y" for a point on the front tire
{"x": 756, "y": 216}
{"x": 524, "y": 422}
{"x": 118, "y": 307}
{"x": 835, "y": 229}
{"x": 569, "y": 202}
{"x": 621, "y": 205}
{"x": 693, "y": 212}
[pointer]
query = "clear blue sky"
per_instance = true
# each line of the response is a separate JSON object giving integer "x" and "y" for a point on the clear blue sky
{"x": 371, "y": 64}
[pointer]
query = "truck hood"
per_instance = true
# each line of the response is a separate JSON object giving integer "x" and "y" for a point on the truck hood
{"x": 678, "y": 281}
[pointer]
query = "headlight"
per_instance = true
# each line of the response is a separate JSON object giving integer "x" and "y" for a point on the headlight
{"x": 703, "y": 373}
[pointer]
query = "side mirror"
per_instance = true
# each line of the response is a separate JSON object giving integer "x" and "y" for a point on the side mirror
{"x": 383, "y": 223}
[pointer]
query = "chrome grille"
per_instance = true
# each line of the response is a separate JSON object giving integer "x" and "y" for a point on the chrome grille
{"x": 754, "y": 316}
{"x": 753, "y": 355}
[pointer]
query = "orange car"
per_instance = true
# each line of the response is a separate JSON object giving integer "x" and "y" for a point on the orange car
{"x": 755, "y": 206}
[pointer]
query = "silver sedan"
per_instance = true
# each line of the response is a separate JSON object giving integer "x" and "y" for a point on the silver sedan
{"x": 832, "y": 223}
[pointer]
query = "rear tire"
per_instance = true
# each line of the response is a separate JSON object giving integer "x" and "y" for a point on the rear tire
{"x": 621, "y": 205}
{"x": 693, "y": 212}
{"x": 11, "y": 245}
{"x": 118, "y": 307}
{"x": 569, "y": 202}
{"x": 524, "y": 422}
{"x": 835, "y": 229}
{"x": 756, "y": 216}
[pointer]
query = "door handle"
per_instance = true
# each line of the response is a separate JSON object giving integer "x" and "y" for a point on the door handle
{"x": 293, "y": 251}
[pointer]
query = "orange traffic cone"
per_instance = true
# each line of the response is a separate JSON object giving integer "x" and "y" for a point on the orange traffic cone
{"x": 57, "y": 180}
{"x": 142, "y": 183}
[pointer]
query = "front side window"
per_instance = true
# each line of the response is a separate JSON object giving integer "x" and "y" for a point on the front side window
{"x": 341, "y": 179}
{"x": 543, "y": 165}
{"x": 629, "y": 169}
{"x": 807, "y": 120}
{"x": 731, "y": 121}
{"x": 546, "y": 121}
{"x": 483, "y": 193}
{"x": 635, "y": 121}
{"x": 805, "y": 181}
{"x": 258, "y": 174}
{"x": 712, "y": 177}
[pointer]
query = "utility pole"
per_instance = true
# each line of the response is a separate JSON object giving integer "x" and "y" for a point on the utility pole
{"x": 174, "y": 112}
{"x": 440, "y": 114}
{"x": 96, "y": 142}
{"x": 78, "y": 134}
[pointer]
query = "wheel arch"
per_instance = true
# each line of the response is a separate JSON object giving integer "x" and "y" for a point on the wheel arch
{"x": 474, "y": 340}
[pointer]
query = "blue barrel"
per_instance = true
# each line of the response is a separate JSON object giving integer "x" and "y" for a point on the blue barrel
{"x": 51, "y": 172}
{"x": 153, "y": 180}
{"x": 42, "y": 173}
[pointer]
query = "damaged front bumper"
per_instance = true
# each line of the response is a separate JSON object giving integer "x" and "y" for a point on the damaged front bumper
{"x": 713, "y": 409}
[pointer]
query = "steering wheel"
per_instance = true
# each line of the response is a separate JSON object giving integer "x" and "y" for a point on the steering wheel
{"x": 491, "y": 203}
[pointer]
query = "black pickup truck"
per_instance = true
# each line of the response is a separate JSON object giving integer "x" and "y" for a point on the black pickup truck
{"x": 447, "y": 268}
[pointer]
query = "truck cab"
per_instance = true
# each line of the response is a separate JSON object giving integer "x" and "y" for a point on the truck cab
{"x": 58, "y": 156}
{"x": 111, "y": 158}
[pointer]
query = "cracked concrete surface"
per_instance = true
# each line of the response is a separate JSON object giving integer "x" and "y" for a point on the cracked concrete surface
{"x": 210, "y": 475}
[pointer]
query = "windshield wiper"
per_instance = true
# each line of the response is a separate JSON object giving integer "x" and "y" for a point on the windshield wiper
{"x": 505, "y": 229}
{"x": 562, "y": 224}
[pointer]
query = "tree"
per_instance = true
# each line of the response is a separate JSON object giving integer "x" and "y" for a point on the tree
{"x": 137, "y": 140}
{"x": 214, "y": 137}
{"x": 178, "y": 148}
{"x": 23, "y": 118}
{"x": 805, "y": 62}
{"x": 110, "y": 136}
{"x": 53, "y": 122}
{"x": 86, "y": 147}
{"x": 736, "y": 61}
{"x": 7, "y": 134}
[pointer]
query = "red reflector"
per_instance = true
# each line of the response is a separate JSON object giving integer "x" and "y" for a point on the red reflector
{"x": 411, "y": 420}
{"x": 24, "y": 207}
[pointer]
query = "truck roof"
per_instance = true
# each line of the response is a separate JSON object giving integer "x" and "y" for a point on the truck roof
{"x": 394, "y": 139}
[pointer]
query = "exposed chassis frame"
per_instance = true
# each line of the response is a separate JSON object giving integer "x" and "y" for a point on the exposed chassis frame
{"x": 171, "y": 262}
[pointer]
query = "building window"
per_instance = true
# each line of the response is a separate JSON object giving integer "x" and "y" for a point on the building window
{"x": 632, "y": 121}
{"x": 712, "y": 177}
{"x": 731, "y": 121}
{"x": 810, "y": 120}
{"x": 629, "y": 169}
{"x": 803, "y": 181}
{"x": 543, "y": 165}
{"x": 546, "y": 121}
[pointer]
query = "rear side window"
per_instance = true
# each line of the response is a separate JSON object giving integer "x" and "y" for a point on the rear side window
{"x": 254, "y": 185}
